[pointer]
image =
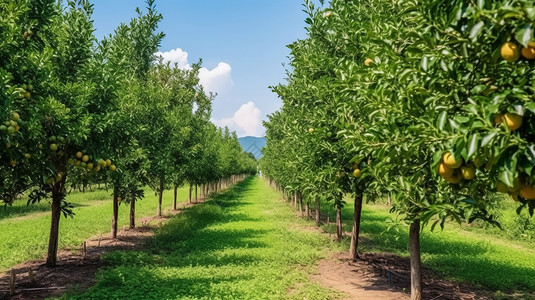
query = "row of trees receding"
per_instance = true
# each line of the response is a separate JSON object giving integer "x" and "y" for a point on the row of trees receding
{"x": 78, "y": 111}
{"x": 427, "y": 102}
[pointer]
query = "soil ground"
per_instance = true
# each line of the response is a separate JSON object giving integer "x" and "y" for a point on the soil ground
{"x": 375, "y": 276}
{"x": 76, "y": 270}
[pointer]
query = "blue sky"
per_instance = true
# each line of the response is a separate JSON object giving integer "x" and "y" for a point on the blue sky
{"x": 242, "y": 44}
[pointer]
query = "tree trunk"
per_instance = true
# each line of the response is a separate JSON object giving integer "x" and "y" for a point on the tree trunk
{"x": 190, "y": 188}
{"x": 307, "y": 209}
{"x": 196, "y": 193}
{"x": 318, "y": 212}
{"x": 160, "y": 195}
{"x": 357, "y": 212}
{"x": 338, "y": 223}
{"x": 300, "y": 200}
{"x": 416, "y": 272}
{"x": 174, "y": 197}
{"x": 115, "y": 214}
{"x": 133, "y": 213}
{"x": 57, "y": 196}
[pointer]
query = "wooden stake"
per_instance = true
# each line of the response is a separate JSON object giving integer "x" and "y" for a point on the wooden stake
{"x": 32, "y": 278}
{"x": 85, "y": 252}
{"x": 12, "y": 283}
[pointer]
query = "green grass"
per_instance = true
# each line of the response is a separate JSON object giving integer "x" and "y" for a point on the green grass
{"x": 25, "y": 229}
{"x": 489, "y": 258}
{"x": 243, "y": 244}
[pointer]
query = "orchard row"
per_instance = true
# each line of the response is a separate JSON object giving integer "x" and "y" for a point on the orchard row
{"x": 78, "y": 111}
{"x": 429, "y": 103}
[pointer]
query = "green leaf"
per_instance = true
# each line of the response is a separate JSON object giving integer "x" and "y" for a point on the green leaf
{"x": 473, "y": 145}
{"x": 524, "y": 35}
{"x": 476, "y": 30}
{"x": 442, "y": 118}
{"x": 488, "y": 138}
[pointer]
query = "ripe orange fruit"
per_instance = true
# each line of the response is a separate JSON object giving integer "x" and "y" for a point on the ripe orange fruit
{"x": 85, "y": 158}
{"x": 357, "y": 173}
{"x": 368, "y": 61}
{"x": 510, "y": 52}
{"x": 528, "y": 52}
{"x": 450, "y": 161}
{"x": 444, "y": 170}
{"x": 79, "y": 154}
{"x": 528, "y": 192}
{"x": 513, "y": 121}
{"x": 468, "y": 172}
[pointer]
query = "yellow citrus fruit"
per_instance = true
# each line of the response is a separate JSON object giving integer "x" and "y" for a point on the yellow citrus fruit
{"x": 85, "y": 158}
{"x": 513, "y": 121}
{"x": 528, "y": 192}
{"x": 328, "y": 14}
{"x": 444, "y": 170}
{"x": 77, "y": 163}
{"x": 53, "y": 147}
{"x": 454, "y": 178}
{"x": 528, "y": 52}
{"x": 357, "y": 173}
{"x": 90, "y": 166}
{"x": 79, "y": 154}
{"x": 368, "y": 61}
{"x": 113, "y": 168}
{"x": 108, "y": 162}
{"x": 468, "y": 171}
{"x": 311, "y": 130}
{"x": 510, "y": 52}
{"x": 450, "y": 161}
{"x": 502, "y": 187}
{"x": 97, "y": 168}
{"x": 15, "y": 116}
{"x": 27, "y": 155}
{"x": 119, "y": 199}
{"x": 498, "y": 119}
{"x": 13, "y": 163}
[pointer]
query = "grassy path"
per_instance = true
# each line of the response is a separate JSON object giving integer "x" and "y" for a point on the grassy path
{"x": 244, "y": 244}
{"x": 25, "y": 229}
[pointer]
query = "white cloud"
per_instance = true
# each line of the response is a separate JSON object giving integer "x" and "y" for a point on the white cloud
{"x": 246, "y": 121}
{"x": 218, "y": 80}
{"x": 178, "y": 56}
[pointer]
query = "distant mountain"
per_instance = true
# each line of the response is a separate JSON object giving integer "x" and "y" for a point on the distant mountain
{"x": 253, "y": 144}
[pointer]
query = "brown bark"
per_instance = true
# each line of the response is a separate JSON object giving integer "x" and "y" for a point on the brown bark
{"x": 196, "y": 193}
{"x": 318, "y": 212}
{"x": 357, "y": 212}
{"x": 54, "y": 226}
{"x": 300, "y": 200}
{"x": 307, "y": 209}
{"x": 190, "y": 188}
{"x": 160, "y": 196}
{"x": 133, "y": 213}
{"x": 416, "y": 264}
{"x": 338, "y": 223}
{"x": 115, "y": 215}
{"x": 174, "y": 197}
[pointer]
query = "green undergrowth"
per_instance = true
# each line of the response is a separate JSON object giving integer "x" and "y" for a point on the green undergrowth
{"x": 489, "y": 258}
{"x": 25, "y": 229}
{"x": 242, "y": 244}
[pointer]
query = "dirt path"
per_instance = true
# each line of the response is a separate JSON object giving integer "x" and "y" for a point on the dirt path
{"x": 76, "y": 269}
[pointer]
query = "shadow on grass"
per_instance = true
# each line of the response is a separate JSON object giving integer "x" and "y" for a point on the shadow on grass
{"x": 463, "y": 259}
{"x": 187, "y": 257}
